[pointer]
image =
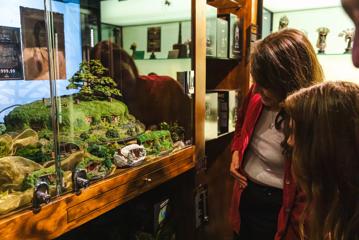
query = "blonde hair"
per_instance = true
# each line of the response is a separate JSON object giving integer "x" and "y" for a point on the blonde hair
{"x": 326, "y": 157}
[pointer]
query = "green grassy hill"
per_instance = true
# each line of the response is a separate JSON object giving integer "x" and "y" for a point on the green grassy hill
{"x": 77, "y": 116}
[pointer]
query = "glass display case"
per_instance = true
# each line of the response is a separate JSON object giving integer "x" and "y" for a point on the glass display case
{"x": 327, "y": 27}
{"x": 76, "y": 107}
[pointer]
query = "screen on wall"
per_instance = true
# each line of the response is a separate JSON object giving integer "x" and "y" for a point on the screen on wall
{"x": 34, "y": 40}
{"x": 10, "y": 54}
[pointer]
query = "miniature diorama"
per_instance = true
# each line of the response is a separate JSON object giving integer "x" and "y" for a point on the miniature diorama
{"x": 348, "y": 35}
{"x": 322, "y": 36}
{"x": 96, "y": 134}
{"x": 156, "y": 142}
{"x": 283, "y": 22}
{"x": 77, "y": 109}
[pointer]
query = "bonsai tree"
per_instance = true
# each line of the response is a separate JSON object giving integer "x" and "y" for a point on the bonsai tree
{"x": 93, "y": 81}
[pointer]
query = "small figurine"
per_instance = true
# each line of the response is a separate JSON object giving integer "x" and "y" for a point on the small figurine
{"x": 153, "y": 56}
{"x": 188, "y": 43}
{"x": 321, "y": 44}
{"x": 133, "y": 48}
{"x": 348, "y": 35}
{"x": 283, "y": 22}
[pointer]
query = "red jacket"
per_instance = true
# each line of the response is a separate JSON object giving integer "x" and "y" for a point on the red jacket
{"x": 293, "y": 201}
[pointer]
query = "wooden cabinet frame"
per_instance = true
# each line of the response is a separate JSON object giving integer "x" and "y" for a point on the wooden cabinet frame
{"x": 70, "y": 211}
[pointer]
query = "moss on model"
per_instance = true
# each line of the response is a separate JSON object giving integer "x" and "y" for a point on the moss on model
{"x": 156, "y": 142}
{"x": 31, "y": 179}
{"x": 88, "y": 120}
{"x": 35, "y": 115}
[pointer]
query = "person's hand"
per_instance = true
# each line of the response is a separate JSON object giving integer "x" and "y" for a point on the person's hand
{"x": 235, "y": 171}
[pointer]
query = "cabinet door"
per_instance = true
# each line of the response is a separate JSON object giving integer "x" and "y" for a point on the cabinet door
{"x": 26, "y": 139}
{"x": 123, "y": 85}
{"x": 89, "y": 89}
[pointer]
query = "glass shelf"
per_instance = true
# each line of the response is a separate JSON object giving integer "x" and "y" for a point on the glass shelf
{"x": 334, "y": 54}
{"x": 220, "y": 136}
{"x": 223, "y": 59}
{"x": 161, "y": 59}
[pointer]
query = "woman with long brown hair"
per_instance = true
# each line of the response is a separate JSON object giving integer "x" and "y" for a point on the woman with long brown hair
{"x": 265, "y": 201}
{"x": 325, "y": 140}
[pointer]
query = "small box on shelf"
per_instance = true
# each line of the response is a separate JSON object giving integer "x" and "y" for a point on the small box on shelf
{"x": 235, "y": 35}
{"x": 222, "y": 113}
{"x": 186, "y": 79}
{"x": 211, "y": 119}
{"x": 222, "y": 38}
{"x": 221, "y": 106}
{"x": 232, "y": 108}
{"x": 211, "y": 31}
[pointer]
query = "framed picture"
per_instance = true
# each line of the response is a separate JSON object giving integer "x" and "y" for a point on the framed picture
{"x": 154, "y": 39}
{"x": 35, "y": 45}
{"x": 10, "y": 54}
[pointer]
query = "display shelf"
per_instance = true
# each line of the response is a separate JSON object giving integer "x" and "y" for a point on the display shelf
{"x": 71, "y": 210}
{"x": 218, "y": 90}
{"x": 221, "y": 74}
{"x": 220, "y": 136}
{"x": 163, "y": 66}
{"x": 333, "y": 54}
{"x": 214, "y": 76}
{"x": 163, "y": 59}
{"x": 210, "y": 58}
{"x": 225, "y": 4}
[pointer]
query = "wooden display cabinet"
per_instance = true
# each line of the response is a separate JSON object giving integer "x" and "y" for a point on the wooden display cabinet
{"x": 223, "y": 75}
{"x": 70, "y": 210}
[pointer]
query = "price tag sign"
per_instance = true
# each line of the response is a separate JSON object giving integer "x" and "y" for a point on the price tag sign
{"x": 10, "y": 54}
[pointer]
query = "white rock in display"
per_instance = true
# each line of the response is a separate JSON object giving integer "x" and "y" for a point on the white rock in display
{"x": 131, "y": 155}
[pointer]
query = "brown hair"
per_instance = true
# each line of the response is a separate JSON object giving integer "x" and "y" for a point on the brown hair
{"x": 326, "y": 157}
{"x": 284, "y": 62}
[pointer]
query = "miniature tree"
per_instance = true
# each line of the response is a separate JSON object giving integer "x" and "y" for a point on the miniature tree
{"x": 93, "y": 81}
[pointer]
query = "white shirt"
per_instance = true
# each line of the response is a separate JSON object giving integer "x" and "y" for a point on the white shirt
{"x": 264, "y": 159}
